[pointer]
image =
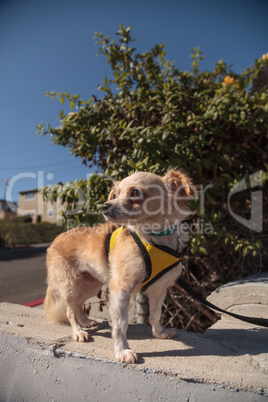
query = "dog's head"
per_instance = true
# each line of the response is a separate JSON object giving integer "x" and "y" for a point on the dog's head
{"x": 148, "y": 199}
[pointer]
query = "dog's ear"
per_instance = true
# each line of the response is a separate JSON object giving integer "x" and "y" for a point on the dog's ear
{"x": 179, "y": 183}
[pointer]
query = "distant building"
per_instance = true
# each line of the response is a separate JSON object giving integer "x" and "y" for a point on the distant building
{"x": 5, "y": 210}
{"x": 31, "y": 204}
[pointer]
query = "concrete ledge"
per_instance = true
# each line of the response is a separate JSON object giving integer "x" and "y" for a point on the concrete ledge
{"x": 252, "y": 290}
{"x": 40, "y": 362}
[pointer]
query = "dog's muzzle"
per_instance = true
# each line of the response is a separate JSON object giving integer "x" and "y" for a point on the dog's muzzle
{"x": 107, "y": 209}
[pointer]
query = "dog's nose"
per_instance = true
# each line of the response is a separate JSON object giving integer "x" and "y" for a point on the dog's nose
{"x": 105, "y": 207}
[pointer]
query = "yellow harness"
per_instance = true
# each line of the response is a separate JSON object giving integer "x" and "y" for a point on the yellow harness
{"x": 158, "y": 259}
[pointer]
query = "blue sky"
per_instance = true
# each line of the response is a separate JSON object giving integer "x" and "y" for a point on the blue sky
{"x": 48, "y": 45}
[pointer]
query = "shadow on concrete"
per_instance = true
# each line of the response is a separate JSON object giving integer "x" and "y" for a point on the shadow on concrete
{"x": 239, "y": 343}
{"x": 227, "y": 342}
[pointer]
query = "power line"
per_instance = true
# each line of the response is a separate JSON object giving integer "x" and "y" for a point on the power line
{"x": 19, "y": 109}
{"x": 35, "y": 167}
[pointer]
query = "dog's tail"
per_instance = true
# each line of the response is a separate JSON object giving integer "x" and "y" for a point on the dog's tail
{"x": 55, "y": 307}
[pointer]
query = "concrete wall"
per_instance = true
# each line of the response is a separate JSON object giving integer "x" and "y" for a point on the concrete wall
{"x": 39, "y": 361}
{"x": 39, "y": 373}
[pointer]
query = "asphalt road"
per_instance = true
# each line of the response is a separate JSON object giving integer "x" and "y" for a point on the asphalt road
{"x": 22, "y": 274}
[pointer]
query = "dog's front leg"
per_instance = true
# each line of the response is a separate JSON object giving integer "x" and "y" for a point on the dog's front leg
{"x": 119, "y": 304}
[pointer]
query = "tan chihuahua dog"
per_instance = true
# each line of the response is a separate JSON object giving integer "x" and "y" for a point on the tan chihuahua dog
{"x": 150, "y": 208}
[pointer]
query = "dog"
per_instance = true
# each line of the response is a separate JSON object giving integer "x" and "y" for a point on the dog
{"x": 147, "y": 208}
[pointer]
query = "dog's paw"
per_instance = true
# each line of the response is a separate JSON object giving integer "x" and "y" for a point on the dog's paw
{"x": 81, "y": 336}
{"x": 166, "y": 333}
{"x": 127, "y": 356}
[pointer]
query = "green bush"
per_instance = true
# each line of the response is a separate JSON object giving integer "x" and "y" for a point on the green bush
{"x": 212, "y": 124}
{"x": 15, "y": 233}
{"x": 5, "y": 235}
{"x": 22, "y": 219}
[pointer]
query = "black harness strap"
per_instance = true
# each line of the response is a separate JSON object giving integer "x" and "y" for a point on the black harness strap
{"x": 263, "y": 322}
{"x": 144, "y": 252}
{"x": 107, "y": 245}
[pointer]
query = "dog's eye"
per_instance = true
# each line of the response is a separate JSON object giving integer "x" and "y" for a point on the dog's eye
{"x": 114, "y": 196}
{"x": 136, "y": 194}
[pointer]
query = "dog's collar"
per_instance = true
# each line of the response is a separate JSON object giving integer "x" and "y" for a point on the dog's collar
{"x": 164, "y": 233}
